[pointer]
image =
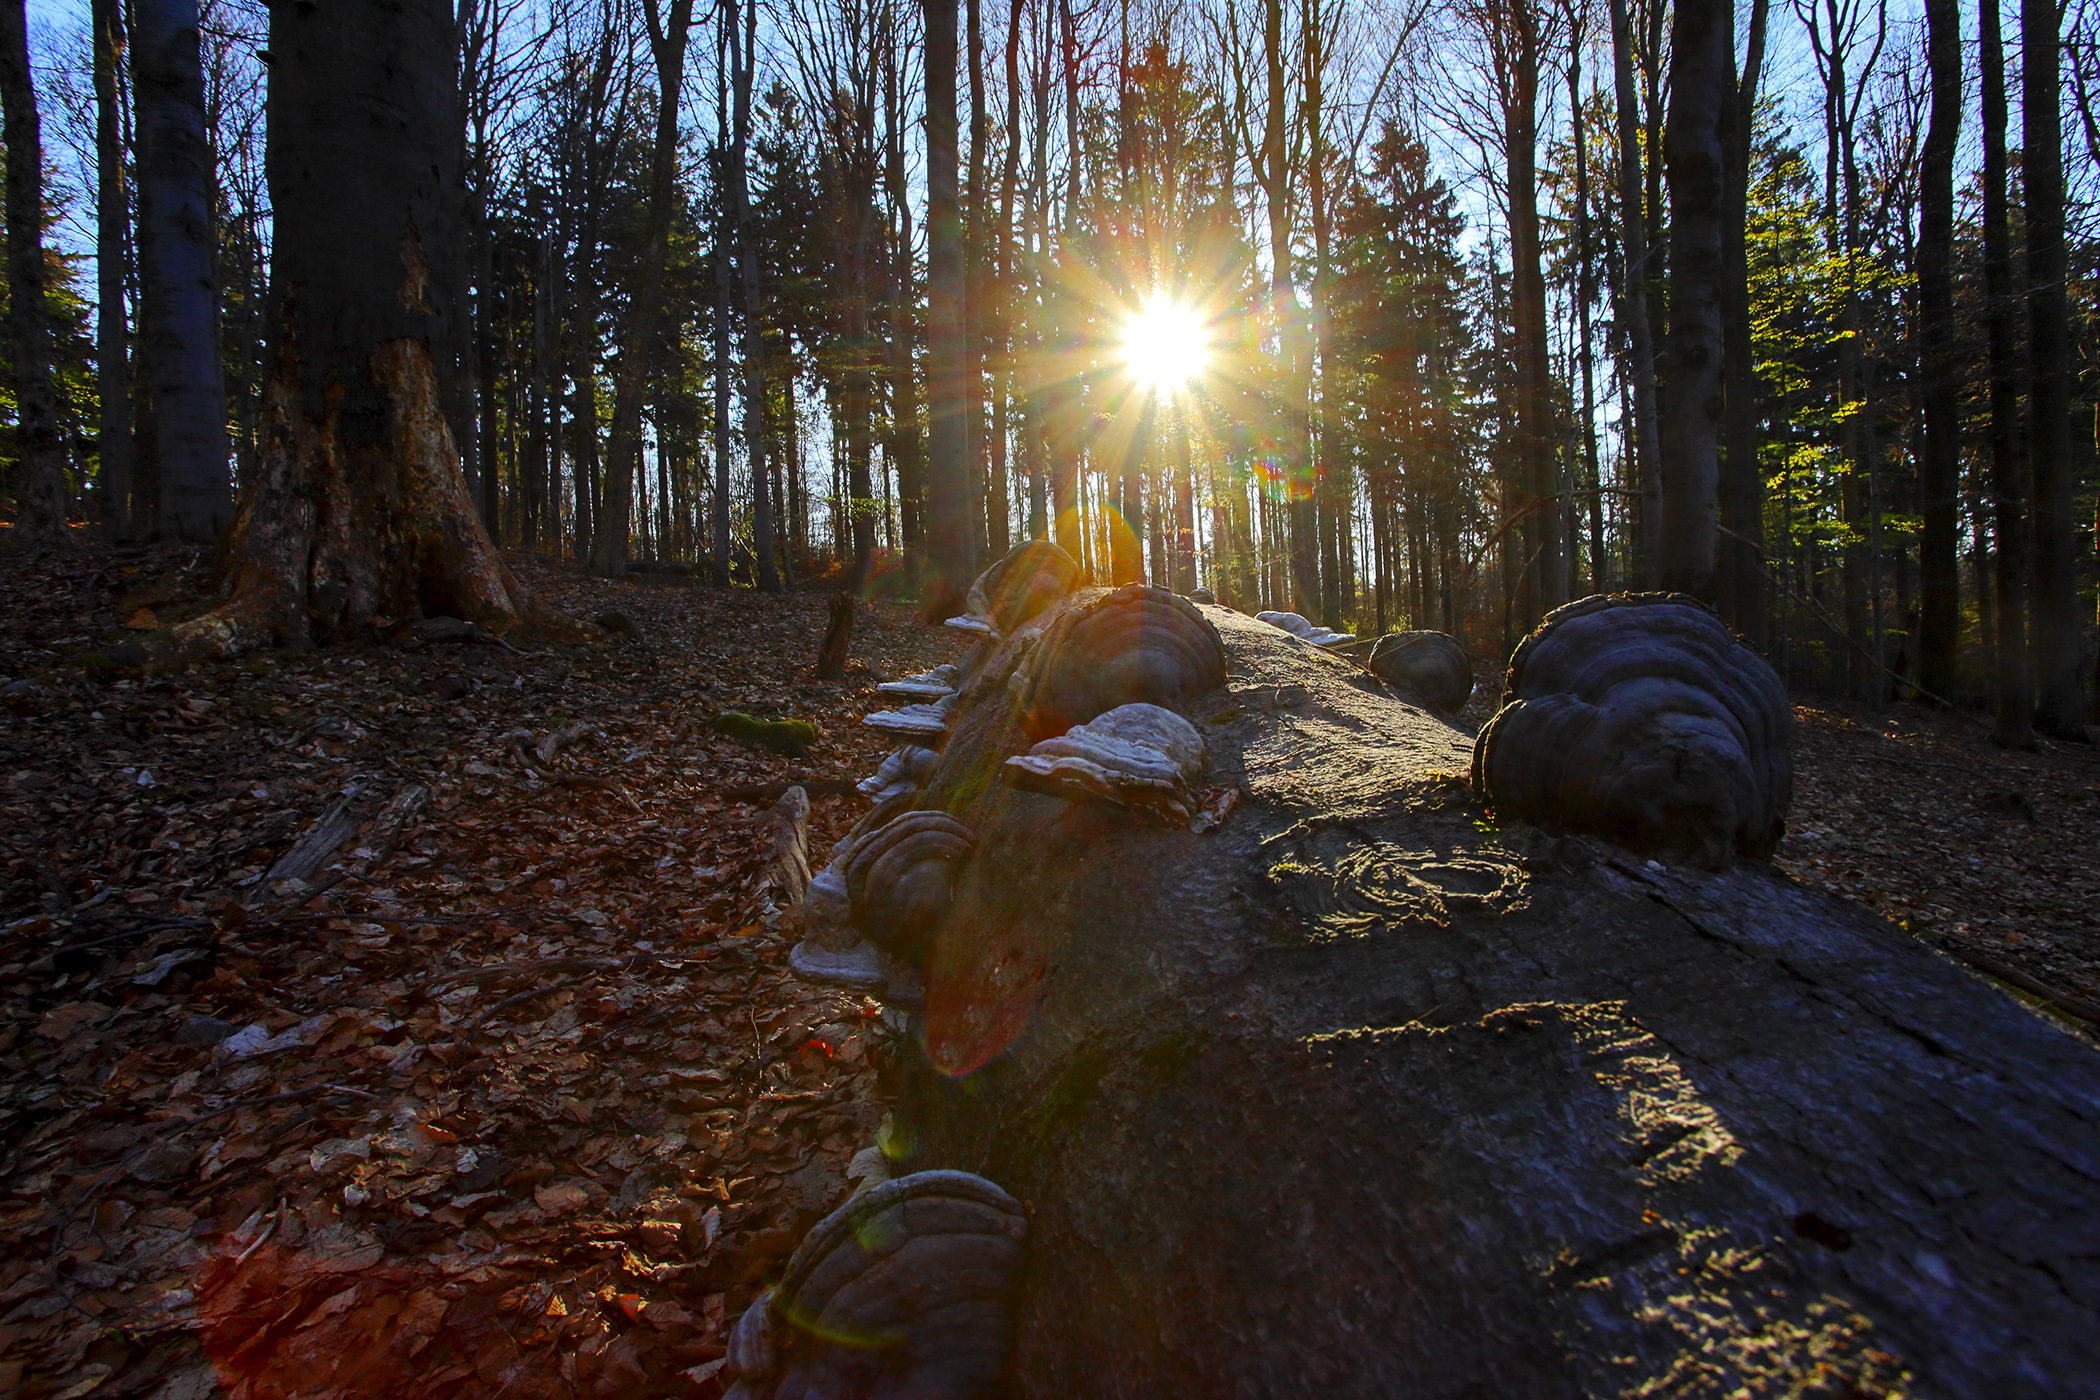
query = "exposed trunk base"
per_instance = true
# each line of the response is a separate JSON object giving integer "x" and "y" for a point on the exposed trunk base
{"x": 335, "y": 537}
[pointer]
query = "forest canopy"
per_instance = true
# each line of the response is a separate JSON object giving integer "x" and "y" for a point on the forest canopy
{"x": 1373, "y": 313}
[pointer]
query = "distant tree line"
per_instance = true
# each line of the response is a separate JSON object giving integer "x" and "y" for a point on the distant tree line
{"x": 1506, "y": 302}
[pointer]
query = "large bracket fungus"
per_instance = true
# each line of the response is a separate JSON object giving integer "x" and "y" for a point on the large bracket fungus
{"x": 1030, "y": 577}
{"x": 902, "y": 770}
{"x": 1640, "y": 718}
{"x": 924, "y": 685}
{"x": 900, "y": 878}
{"x": 1431, "y": 667}
{"x": 1136, "y": 643}
{"x": 903, "y": 1293}
{"x": 927, "y": 723}
{"x": 1305, "y": 630}
{"x": 1138, "y": 756}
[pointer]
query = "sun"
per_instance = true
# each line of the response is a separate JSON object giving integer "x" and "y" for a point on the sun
{"x": 1165, "y": 345}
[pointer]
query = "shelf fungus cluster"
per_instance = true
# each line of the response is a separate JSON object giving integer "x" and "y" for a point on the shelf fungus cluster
{"x": 903, "y": 1293}
{"x": 1138, "y": 756}
{"x": 904, "y": 769}
{"x": 1303, "y": 629}
{"x": 869, "y": 913}
{"x": 1430, "y": 667}
{"x": 1134, "y": 644}
{"x": 1639, "y": 718}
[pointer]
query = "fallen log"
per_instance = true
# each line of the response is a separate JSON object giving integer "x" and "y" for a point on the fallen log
{"x": 1364, "y": 1092}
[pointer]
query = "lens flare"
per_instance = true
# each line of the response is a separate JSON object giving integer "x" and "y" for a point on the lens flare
{"x": 1165, "y": 345}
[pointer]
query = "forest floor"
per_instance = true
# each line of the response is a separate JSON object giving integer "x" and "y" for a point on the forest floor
{"x": 528, "y": 1104}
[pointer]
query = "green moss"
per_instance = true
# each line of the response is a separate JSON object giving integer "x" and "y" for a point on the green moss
{"x": 791, "y": 737}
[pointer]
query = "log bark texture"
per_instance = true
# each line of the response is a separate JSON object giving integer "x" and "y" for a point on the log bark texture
{"x": 1359, "y": 1093}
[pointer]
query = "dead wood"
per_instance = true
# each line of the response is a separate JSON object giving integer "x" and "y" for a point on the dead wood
{"x": 838, "y": 637}
{"x": 1362, "y": 1093}
{"x": 788, "y": 865}
{"x": 321, "y": 841}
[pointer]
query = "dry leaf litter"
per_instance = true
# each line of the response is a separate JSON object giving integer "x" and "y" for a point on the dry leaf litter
{"x": 512, "y": 1094}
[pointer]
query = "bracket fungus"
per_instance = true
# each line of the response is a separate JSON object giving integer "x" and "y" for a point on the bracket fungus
{"x": 928, "y": 722}
{"x": 1027, "y": 579}
{"x": 903, "y": 770}
{"x": 1430, "y": 666}
{"x": 924, "y": 685}
{"x": 1137, "y": 643}
{"x": 906, "y": 1292}
{"x": 1138, "y": 756}
{"x": 832, "y": 950}
{"x": 1303, "y": 629}
{"x": 900, "y": 877}
{"x": 1640, "y": 718}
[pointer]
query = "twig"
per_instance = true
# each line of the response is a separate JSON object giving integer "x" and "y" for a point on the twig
{"x": 2076, "y": 1007}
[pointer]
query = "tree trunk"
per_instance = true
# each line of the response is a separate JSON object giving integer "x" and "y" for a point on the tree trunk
{"x": 744, "y": 60}
{"x": 948, "y": 529}
{"x": 1346, "y": 1098}
{"x": 643, "y": 321}
{"x": 40, "y": 479}
{"x": 179, "y": 301}
{"x": 358, "y": 514}
{"x": 1541, "y": 585}
{"x": 1585, "y": 292}
{"x": 1702, "y": 44}
{"x": 112, "y": 251}
{"x": 2059, "y": 674}
{"x": 1740, "y": 584}
{"x": 1645, "y": 447}
{"x": 2015, "y": 697}
{"x": 1939, "y": 468}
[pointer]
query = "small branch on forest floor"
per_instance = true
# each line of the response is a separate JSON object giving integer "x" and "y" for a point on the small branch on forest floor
{"x": 2076, "y": 1007}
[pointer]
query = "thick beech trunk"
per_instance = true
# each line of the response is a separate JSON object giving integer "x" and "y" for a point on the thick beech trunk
{"x": 178, "y": 286}
{"x": 2059, "y": 675}
{"x": 40, "y": 476}
{"x": 1361, "y": 1093}
{"x": 1701, "y": 59}
{"x": 358, "y": 512}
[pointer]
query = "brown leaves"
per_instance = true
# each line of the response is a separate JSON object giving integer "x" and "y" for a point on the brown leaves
{"x": 1986, "y": 851}
{"x": 513, "y": 1095}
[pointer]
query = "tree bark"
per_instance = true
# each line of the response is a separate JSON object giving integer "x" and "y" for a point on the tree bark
{"x": 178, "y": 286}
{"x": 1740, "y": 584}
{"x": 1542, "y": 586}
{"x": 1357, "y": 1094}
{"x": 1645, "y": 447}
{"x": 744, "y": 60}
{"x": 1939, "y": 576}
{"x": 2059, "y": 675}
{"x": 1702, "y": 47}
{"x": 113, "y": 477}
{"x": 948, "y": 529}
{"x": 358, "y": 514}
{"x": 40, "y": 479}
{"x": 2015, "y": 696}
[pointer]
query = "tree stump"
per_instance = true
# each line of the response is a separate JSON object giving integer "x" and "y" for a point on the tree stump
{"x": 838, "y": 637}
{"x": 1358, "y": 1092}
